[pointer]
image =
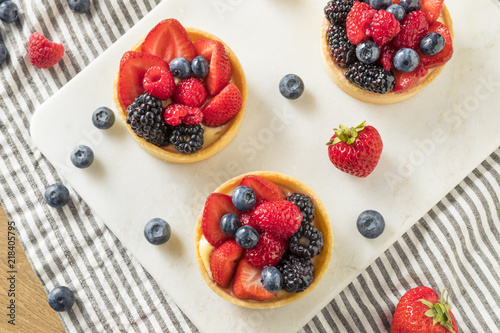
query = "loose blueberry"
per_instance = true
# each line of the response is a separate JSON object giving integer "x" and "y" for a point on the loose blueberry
{"x": 3, "y": 53}
{"x": 410, "y": 5}
{"x": 79, "y": 6}
{"x": 271, "y": 279}
{"x": 229, "y": 223}
{"x": 432, "y": 44}
{"x": 82, "y": 157}
{"x": 8, "y": 11}
{"x": 398, "y": 11}
{"x": 371, "y": 224}
{"x": 367, "y": 52}
{"x": 181, "y": 68}
{"x": 103, "y": 118}
{"x": 200, "y": 67}
{"x": 291, "y": 86}
{"x": 380, "y": 4}
{"x": 243, "y": 198}
{"x": 157, "y": 231}
{"x": 56, "y": 195}
{"x": 406, "y": 60}
{"x": 247, "y": 237}
{"x": 61, "y": 298}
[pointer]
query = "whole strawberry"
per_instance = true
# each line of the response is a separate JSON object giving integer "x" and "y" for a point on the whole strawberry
{"x": 355, "y": 151}
{"x": 42, "y": 52}
{"x": 421, "y": 310}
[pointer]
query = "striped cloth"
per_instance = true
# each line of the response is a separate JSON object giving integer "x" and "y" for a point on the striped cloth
{"x": 456, "y": 245}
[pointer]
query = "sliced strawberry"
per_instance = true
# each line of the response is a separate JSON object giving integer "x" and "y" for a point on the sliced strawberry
{"x": 223, "y": 261}
{"x": 220, "y": 66}
{"x": 263, "y": 188}
{"x": 176, "y": 114}
{"x": 169, "y": 40}
{"x": 247, "y": 285}
{"x": 432, "y": 9}
{"x": 413, "y": 28}
{"x": 267, "y": 252}
{"x": 223, "y": 107}
{"x": 358, "y": 22}
{"x": 133, "y": 67}
{"x": 405, "y": 81}
{"x": 216, "y": 206}
{"x": 387, "y": 53}
{"x": 445, "y": 55}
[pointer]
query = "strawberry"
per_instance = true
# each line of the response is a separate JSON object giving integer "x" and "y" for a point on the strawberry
{"x": 223, "y": 261}
{"x": 384, "y": 27}
{"x": 420, "y": 310}
{"x": 445, "y": 55}
{"x": 267, "y": 252}
{"x": 42, "y": 52}
{"x": 405, "y": 81}
{"x": 247, "y": 285}
{"x": 432, "y": 9}
{"x": 247, "y": 217}
{"x": 223, "y": 107}
{"x": 263, "y": 188}
{"x": 159, "y": 82}
{"x": 169, "y": 40}
{"x": 176, "y": 114}
{"x": 220, "y": 65}
{"x": 280, "y": 218}
{"x": 133, "y": 68}
{"x": 387, "y": 53}
{"x": 358, "y": 22}
{"x": 413, "y": 28}
{"x": 216, "y": 206}
{"x": 190, "y": 92}
{"x": 355, "y": 151}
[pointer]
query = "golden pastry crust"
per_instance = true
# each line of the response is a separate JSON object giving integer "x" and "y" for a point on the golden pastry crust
{"x": 238, "y": 78}
{"x": 337, "y": 74}
{"x": 322, "y": 222}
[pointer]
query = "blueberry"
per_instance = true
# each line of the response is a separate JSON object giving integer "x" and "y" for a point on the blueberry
{"x": 371, "y": 224}
{"x": 181, "y": 68}
{"x": 8, "y": 11}
{"x": 380, "y": 4}
{"x": 398, "y": 12}
{"x": 157, "y": 231}
{"x": 432, "y": 44}
{"x": 229, "y": 223}
{"x": 3, "y": 53}
{"x": 367, "y": 52}
{"x": 406, "y": 60}
{"x": 244, "y": 198}
{"x": 291, "y": 86}
{"x": 200, "y": 67}
{"x": 56, "y": 195}
{"x": 79, "y": 6}
{"x": 103, "y": 118}
{"x": 82, "y": 157}
{"x": 247, "y": 237}
{"x": 410, "y": 5}
{"x": 271, "y": 279}
{"x": 61, "y": 298}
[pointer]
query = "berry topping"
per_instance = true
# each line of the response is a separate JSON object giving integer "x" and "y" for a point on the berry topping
{"x": 406, "y": 60}
{"x": 358, "y": 22}
{"x": 145, "y": 117}
{"x": 157, "y": 231}
{"x": 371, "y": 77}
{"x": 370, "y": 224}
{"x": 56, "y": 195}
{"x": 307, "y": 242}
{"x": 267, "y": 252}
{"x": 229, "y": 223}
{"x": 247, "y": 285}
{"x": 216, "y": 206}
{"x": 82, "y": 157}
{"x": 413, "y": 28}
{"x": 247, "y": 237}
{"x": 159, "y": 82}
{"x": 432, "y": 44}
{"x": 42, "y": 52}
{"x": 384, "y": 27}
{"x": 336, "y": 10}
{"x": 367, "y": 52}
{"x": 247, "y": 217}
{"x": 103, "y": 118}
{"x": 341, "y": 49}
{"x": 223, "y": 107}
{"x": 181, "y": 68}
{"x": 398, "y": 12}
{"x": 445, "y": 55}
{"x": 220, "y": 65}
{"x": 432, "y": 9}
{"x": 244, "y": 198}
{"x": 223, "y": 262}
{"x": 410, "y": 5}
{"x": 298, "y": 273}
{"x": 187, "y": 139}
{"x": 169, "y": 40}
{"x": 9, "y": 12}
{"x": 190, "y": 92}
{"x": 388, "y": 51}
{"x": 280, "y": 218}
{"x": 271, "y": 279}
{"x": 291, "y": 86}
{"x": 79, "y": 6}
{"x": 200, "y": 67}
{"x": 61, "y": 299}
{"x": 176, "y": 114}
{"x": 405, "y": 81}
{"x": 264, "y": 189}
{"x": 380, "y": 4}
{"x": 305, "y": 204}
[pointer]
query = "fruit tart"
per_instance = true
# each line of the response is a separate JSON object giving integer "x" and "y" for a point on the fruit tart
{"x": 263, "y": 240}
{"x": 181, "y": 93}
{"x": 385, "y": 51}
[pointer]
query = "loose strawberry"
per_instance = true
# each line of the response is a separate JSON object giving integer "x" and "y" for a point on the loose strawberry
{"x": 387, "y": 53}
{"x": 445, "y": 55}
{"x": 263, "y": 188}
{"x": 159, "y": 82}
{"x": 42, "y": 52}
{"x": 223, "y": 107}
{"x": 413, "y": 28}
{"x": 176, "y": 114}
{"x": 190, "y": 92}
{"x": 358, "y": 22}
{"x": 133, "y": 68}
{"x": 223, "y": 262}
{"x": 355, "y": 151}
{"x": 405, "y": 81}
{"x": 247, "y": 217}
{"x": 432, "y": 9}
{"x": 384, "y": 27}
{"x": 280, "y": 218}
{"x": 247, "y": 285}
{"x": 216, "y": 206}
{"x": 420, "y": 310}
{"x": 267, "y": 252}
{"x": 220, "y": 65}
{"x": 169, "y": 40}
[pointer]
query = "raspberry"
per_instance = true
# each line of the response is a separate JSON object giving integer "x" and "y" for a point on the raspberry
{"x": 159, "y": 82}
{"x": 413, "y": 28}
{"x": 190, "y": 92}
{"x": 42, "y": 52}
{"x": 358, "y": 22}
{"x": 267, "y": 252}
{"x": 387, "y": 52}
{"x": 176, "y": 114}
{"x": 247, "y": 219}
{"x": 384, "y": 27}
{"x": 280, "y": 218}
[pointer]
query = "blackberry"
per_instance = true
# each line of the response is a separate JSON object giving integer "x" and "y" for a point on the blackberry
{"x": 145, "y": 117}
{"x": 307, "y": 242}
{"x": 371, "y": 77}
{"x": 341, "y": 49}
{"x": 187, "y": 139}
{"x": 306, "y": 206}
{"x": 298, "y": 273}
{"x": 336, "y": 10}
